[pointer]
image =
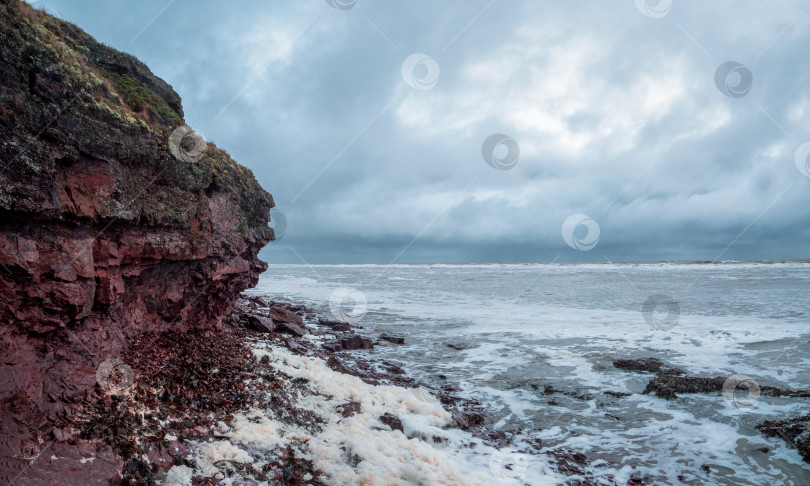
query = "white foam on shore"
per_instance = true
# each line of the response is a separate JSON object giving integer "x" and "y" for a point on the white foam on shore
{"x": 361, "y": 450}
{"x": 179, "y": 476}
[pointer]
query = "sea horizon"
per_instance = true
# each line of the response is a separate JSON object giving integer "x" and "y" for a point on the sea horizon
{"x": 618, "y": 262}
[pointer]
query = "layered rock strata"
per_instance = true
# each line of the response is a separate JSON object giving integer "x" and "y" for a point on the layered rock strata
{"x": 115, "y": 220}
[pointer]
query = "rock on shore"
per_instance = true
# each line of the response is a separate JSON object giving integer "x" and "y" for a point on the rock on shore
{"x": 112, "y": 224}
{"x": 669, "y": 381}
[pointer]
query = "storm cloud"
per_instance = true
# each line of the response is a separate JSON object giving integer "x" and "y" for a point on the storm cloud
{"x": 622, "y": 112}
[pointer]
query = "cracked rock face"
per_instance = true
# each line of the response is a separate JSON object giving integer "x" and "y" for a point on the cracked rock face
{"x": 105, "y": 234}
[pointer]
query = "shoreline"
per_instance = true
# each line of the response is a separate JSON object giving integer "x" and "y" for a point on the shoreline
{"x": 209, "y": 407}
{"x": 280, "y": 394}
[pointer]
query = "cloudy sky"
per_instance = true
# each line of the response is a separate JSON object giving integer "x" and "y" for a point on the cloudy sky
{"x": 623, "y": 132}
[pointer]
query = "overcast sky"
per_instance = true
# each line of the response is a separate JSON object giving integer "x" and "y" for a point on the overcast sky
{"x": 623, "y": 113}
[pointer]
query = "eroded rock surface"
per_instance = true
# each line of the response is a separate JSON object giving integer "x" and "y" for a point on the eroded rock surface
{"x": 794, "y": 431}
{"x": 105, "y": 232}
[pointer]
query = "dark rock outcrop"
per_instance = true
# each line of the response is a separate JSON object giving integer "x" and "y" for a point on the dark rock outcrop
{"x": 669, "y": 381}
{"x": 392, "y": 421}
{"x": 291, "y": 328}
{"x": 794, "y": 431}
{"x": 393, "y": 339}
{"x": 467, "y": 419}
{"x": 114, "y": 222}
{"x": 668, "y": 386}
{"x": 260, "y": 323}
{"x": 349, "y": 409}
{"x": 646, "y": 365}
{"x": 281, "y": 314}
{"x": 356, "y": 342}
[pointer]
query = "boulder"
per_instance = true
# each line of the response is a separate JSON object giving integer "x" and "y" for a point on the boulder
{"x": 260, "y": 323}
{"x": 393, "y": 339}
{"x": 281, "y": 314}
{"x": 357, "y": 342}
{"x": 467, "y": 419}
{"x": 291, "y": 328}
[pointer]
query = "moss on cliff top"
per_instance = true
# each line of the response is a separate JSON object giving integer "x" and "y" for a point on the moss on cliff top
{"x": 99, "y": 103}
{"x": 140, "y": 99}
{"x": 97, "y": 69}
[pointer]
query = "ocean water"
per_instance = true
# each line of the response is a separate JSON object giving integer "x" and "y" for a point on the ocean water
{"x": 521, "y": 328}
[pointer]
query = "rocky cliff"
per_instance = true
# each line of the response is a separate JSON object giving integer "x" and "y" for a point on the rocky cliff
{"x": 115, "y": 221}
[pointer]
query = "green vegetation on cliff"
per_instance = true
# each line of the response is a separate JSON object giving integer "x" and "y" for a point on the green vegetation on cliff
{"x": 83, "y": 99}
{"x": 139, "y": 98}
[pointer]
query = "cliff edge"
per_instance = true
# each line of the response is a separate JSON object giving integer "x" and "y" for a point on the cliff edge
{"x": 115, "y": 220}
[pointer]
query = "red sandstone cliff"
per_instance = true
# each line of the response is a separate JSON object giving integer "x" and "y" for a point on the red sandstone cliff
{"x": 112, "y": 224}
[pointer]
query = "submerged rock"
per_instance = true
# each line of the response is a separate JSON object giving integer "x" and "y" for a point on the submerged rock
{"x": 335, "y": 325}
{"x": 795, "y": 431}
{"x": 393, "y": 339}
{"x": 647, "y": 365}
{"x": 466, "y": 419}
{"x": 395, "y": 368}
{"x": 333, "y": 346}
{"x": 670, "y": 381}
{"x": 667, "y": 386}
